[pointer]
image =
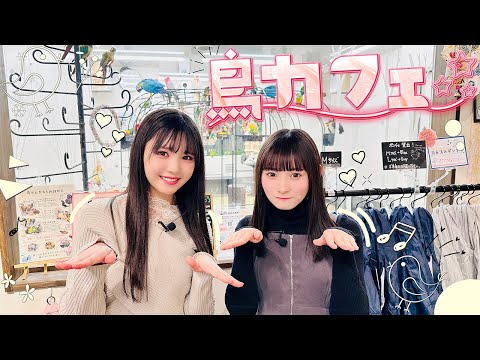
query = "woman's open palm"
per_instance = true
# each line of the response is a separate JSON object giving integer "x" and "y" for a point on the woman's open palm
{"x": 99, "y": 253}
{"x": 207, "y": 265}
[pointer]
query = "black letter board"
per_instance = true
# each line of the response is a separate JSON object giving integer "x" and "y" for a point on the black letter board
{"x": 331, "y": 158}
{"x": 399, "y": 155}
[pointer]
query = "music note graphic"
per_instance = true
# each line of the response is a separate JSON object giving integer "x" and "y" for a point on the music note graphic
{"x": 382, "y": 239}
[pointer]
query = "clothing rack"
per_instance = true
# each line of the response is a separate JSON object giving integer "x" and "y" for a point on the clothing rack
{"x": 400, "y": 190}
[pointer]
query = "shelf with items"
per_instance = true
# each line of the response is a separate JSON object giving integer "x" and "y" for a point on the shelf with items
{"x": 39, "y": 279}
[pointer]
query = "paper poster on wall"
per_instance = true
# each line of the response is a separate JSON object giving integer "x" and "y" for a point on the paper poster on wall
{"x": 448, "y": 152}
{"x": 228, "y": 220}
{"x": 44, "y": 228}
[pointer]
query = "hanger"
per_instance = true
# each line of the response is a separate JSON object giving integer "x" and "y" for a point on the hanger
{"x": 471, "y": 197}
{"x": 467, "y": 193}
{"x": 336, "y": 198}
{"x": 456, "y": 194}
{"x": 388, "y": 195}
{"x": 364, "y": 199}
{"x": 380, "y": 195}
{"x": 453, "y": 188}
{"x": 407, "y": 197}
{"x": 421, "y": 197}
{"x": 403, "y": 194}
{"x": 448, "y": 194}
{"x": 344, "y": 197}
{"x": 438, "y": 197}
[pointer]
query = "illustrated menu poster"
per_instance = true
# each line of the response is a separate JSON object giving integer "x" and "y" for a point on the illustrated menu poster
{"x": 44, "y": 228}
{"x": 448, "y": 152}
{"x": 228, "y": 221}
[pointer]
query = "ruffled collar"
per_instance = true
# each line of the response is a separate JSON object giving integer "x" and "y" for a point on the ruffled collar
{"x": 161, "y": 209}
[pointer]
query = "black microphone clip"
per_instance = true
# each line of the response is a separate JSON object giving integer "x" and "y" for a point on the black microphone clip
{"x": 281, "y": 241}
{"x": 169, "y": 227}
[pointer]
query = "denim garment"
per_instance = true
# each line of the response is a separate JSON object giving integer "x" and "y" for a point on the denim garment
{"x": 424, "y": 221}
{"x": 377, "y": 258}
{"x": 371, "y": 268}
{"x": 395, "y": 273}
{"x": 423, "y": 281}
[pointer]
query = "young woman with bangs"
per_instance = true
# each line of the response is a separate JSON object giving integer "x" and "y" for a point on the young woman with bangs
{"x": 291, "y": 254}
{"x": 146, "y": 265}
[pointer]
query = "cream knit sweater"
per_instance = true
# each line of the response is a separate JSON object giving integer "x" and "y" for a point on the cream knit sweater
{"x": 173, "y": 287}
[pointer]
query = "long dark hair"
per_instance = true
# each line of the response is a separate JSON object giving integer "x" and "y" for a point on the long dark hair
{"x": 294, "y": 150}
{"x": 168, "y": 127}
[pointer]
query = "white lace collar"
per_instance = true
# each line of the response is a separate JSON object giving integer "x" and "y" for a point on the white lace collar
{"x": 161, "y": 209}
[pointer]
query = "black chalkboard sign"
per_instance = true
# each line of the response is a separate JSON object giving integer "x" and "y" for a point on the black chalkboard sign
{"x": 331, "y": 158}
{"x": 404, "y": 155}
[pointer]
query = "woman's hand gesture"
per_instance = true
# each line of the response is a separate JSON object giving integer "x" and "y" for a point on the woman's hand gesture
{"x": 241, "y": 237}
{"x": 337, "y": 239}
{"x": 98, "y": 253}
{"x": 204, "y": 263}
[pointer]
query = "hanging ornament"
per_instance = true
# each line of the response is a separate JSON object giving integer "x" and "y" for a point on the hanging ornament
{"x": 52, "y": 307}
{"x": 101, "y": 119}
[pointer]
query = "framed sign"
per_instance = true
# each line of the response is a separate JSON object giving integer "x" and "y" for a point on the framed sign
{"x": 44, "y": 228}
{"x": 398, "y": 155}
{"x": 331, "y": 158}
{"x": 448, "y": 153}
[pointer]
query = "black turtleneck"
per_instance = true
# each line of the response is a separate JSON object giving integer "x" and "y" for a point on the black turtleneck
{"x": 348, "y": 292}
{"x": 292, "y": 221}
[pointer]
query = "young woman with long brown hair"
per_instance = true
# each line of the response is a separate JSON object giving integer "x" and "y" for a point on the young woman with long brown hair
{"x": 147, "y": 265}
{"x": 280, "y": 251}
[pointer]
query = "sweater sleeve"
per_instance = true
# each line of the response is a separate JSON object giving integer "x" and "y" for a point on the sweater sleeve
{"x": 243, "y": 300}
{"x": 349, "y": 295}
{"x": 199, "y": 300}
{"x": 85, "y": 287}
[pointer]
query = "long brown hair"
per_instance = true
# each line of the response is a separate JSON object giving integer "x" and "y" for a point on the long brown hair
{"x": 169, "y": 127}
{"x": 294, "y": 150}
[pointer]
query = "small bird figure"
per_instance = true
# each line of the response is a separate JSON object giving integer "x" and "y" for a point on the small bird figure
{"x": 205, "y": 96}
{"x": 299, "y": 96}
{"x": 271, "y": 91}
{"x": 414, "y": 288}
{"x": 108, "y": 57}
{"x": 67, "y": 50}
{"x": 86, "y": 50}
{"x": 151, "y": 86}
{"x": 68, "y": 201}
{"x": 171, "y": 88}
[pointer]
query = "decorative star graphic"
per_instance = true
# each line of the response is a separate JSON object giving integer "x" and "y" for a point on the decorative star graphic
{"x": 442, "y": 81}
{"x": 367, "y": 179}
{"x": 456, "y": 64}
{"x": 468, "y": 91}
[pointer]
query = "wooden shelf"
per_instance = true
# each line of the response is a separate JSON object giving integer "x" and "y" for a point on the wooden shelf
{"x": 39, "y": 280}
